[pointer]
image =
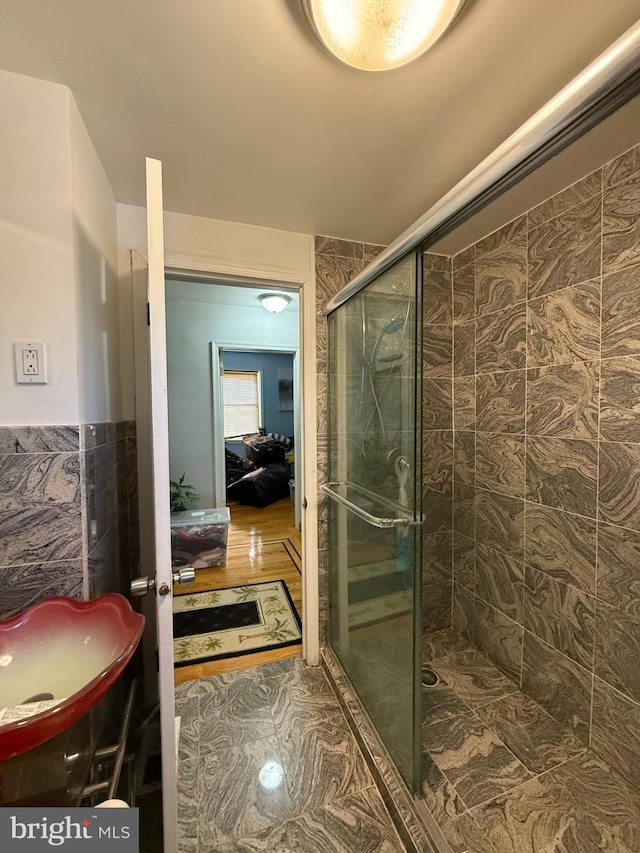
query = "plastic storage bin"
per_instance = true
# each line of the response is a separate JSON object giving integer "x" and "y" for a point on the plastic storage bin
{"x": 199, "y": 537}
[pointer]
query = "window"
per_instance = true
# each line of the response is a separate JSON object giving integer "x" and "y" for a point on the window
{"x": 242, "y": 398}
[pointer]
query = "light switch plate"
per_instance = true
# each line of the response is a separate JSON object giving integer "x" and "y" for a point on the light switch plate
{"x": 31, "y": 363}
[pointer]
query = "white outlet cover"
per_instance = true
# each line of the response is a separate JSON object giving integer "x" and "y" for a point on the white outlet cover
{"x": 38, "y": 357}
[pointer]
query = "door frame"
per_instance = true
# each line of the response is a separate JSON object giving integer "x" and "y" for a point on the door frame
{"x": 220, "y": 485}
{"x": 206, "y": 267}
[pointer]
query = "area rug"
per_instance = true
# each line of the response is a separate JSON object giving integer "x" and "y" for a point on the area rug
{"x": 378, "y": 592}
{"x": 235, "y": 621}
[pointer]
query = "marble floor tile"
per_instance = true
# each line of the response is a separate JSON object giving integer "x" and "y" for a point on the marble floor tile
{"x": 235, "y": 714}
{"x": 441, "y": 703}
{"x": 355, "y": 823}
{"x": 539, "y": 741}
{"x": 578, "y": 807}
{"x": 321, "y": 759}
{"x": 300, "y": 693}
{"x": 242, "y": 791}
{"x": 188, "y": 804}
{"x": 438, "y": 644}
{"x": 189, "y": 712}
{"x": 473, "y": 677}
{"x": 473, "y": 758}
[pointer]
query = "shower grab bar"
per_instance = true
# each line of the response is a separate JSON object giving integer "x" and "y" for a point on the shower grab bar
{"x": 374, "y": 520}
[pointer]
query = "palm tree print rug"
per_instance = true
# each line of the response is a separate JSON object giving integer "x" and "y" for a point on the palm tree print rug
{"x": 235, "y": 621}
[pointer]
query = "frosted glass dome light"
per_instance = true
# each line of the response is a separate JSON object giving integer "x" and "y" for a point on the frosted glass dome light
{"x": 274, "y": 302}
{"x": 377, "y": 35}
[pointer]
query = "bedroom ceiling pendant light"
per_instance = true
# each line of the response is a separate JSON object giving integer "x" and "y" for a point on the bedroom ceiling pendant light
{"x": 274, "y": 302}
{"x": 378, "y": 35}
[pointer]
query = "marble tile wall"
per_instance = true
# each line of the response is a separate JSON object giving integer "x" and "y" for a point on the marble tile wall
{"x": 546, "y": 510}
{"x": 68, "y": 511}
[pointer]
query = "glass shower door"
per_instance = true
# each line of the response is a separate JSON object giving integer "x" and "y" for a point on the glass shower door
{"x": 374, "y": 490}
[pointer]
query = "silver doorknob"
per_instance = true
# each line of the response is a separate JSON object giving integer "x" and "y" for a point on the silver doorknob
{"x": 141, "y": 586}
{"x": 184, "y": 576}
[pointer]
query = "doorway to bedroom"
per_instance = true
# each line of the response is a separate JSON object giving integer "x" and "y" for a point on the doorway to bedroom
{"x": 234, "y": 415}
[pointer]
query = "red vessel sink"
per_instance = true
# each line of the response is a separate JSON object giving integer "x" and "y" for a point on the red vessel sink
{"x": 68, "y": 651}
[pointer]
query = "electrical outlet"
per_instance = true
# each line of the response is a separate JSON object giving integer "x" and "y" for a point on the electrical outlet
{"x": 31, "y": 363}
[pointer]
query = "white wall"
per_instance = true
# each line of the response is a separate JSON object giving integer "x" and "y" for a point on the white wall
{"x": 36, "y": 249}
{"x": 95, "y": 252}
{"x": 193, "y": 322}
{"x": 227, "y": 243}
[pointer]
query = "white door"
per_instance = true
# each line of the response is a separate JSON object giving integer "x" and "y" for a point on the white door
{"x": 153, "y": 479}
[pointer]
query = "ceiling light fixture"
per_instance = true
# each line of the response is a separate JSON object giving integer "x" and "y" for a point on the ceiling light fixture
{"x": 378, "y": 35}
{"x": 274, "y": 302}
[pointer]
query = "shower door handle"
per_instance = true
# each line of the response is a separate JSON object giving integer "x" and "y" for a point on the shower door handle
{"x": 374, "y": 520}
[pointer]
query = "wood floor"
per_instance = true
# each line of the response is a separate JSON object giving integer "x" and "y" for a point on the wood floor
{"x": 263, "y": 545}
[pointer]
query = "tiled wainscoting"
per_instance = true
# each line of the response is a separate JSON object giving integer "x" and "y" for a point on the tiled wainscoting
{"x": 68, "y": 517}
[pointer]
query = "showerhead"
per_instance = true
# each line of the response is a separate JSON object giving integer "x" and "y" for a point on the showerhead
{"x": 394, "y": 325}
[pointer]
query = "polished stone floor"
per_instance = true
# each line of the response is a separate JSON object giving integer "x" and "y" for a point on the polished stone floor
{"x": 268, "y": 763}
{"x": 502, "y": 776}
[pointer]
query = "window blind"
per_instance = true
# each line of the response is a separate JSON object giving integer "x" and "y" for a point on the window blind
{"x": 241, "y": 398}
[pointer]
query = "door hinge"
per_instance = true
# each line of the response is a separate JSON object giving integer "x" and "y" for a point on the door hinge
{"x": 148, "y": 314}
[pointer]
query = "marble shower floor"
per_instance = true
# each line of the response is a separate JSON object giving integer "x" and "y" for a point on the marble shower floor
{"x": 502, "y": 776}
{"x": 268, "y": 763}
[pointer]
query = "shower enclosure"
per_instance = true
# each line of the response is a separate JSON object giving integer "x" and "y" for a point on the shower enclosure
{"x": 482, "y": 471}
{"x": 374, "y": 484}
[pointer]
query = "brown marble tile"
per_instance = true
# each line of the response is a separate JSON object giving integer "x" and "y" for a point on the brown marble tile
{"x": 499, "y": 581}
{"x": 581, "y": 805}
{"x": 539, "y": 741}
{"x": 371, "y": 251}
{"x": 462, "y": 613}
{"x": 439, "y": 644}
{"x": 561, "y": 615}
{"x": 464, "y": 560}
{"x": 620, "y": 318}
{"x": 618, "y": 572}
{"x": 513, "y": 232}
{"x": 621, "y": 225}
{"x": 564, "y": 326}
{"x": 501, "y": 340}
{"x": 618, "y": 649}
{"x": 464, "y": 349}
{"x": 615, "y": 723}
{"x": 464, "y": 505}
{"x": 567, "y": 199}
{"x": 562, "y": 473}
{"x": 500, "y": 522}
{"x": 472, "y": 676}
{"x": 438, "y": 794}
{"x": 500, "y": 402}
{"x": 500, "y": 638}
{"x": 620, "y": 399}
{"x": 437, "y": 470}
{"x": 561, "y": 545}
{"x": 437, "y": 406}
{"x": 474, "y": 760}
{"x": 619, "y": 484}
{"x": 466, "y": 256}
{"x": 565, "y": 250}
{"x": 464, "y": 457}
{"x": 464, "y": 286}
{"x": 501, "y": 278}
{"x": 441, "y": 703}
{"x": 332, "y": 273}
{"x": 560, "y": 685}
{"x": 563, "y": 400}
{"x": 464, "y": 402}
{"x": 437, "y": 296}
{"x": 500, "y": 462}
{"x": 336, "y": 246}
{"x": 437, "y": 351}
{"x": 622, "y": 167}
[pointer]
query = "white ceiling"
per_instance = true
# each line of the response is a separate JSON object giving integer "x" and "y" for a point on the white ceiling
{"x": 255, "y": 123}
